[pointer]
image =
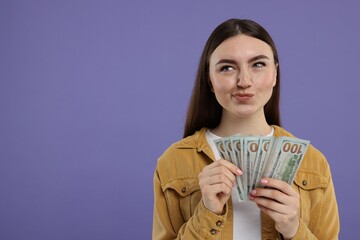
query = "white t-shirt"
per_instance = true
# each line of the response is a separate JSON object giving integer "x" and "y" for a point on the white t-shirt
{"x": 246, "y": 216}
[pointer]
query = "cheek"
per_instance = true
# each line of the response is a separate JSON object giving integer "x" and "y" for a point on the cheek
{"x": 218, "y": 85}
{"x": 221, "y": 88}
{"x": 267, "y": 81}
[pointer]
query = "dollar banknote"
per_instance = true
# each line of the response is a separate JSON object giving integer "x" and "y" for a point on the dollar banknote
{"x": 251, "y": 146}
{"x": 265, "y": 146}
{"x": 226, "y": 151}
{"x": 262, "y": 157}
{"x": 285, "y": 158}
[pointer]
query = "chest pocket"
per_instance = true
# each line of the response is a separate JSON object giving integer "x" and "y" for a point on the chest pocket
{"x": 183, "y": 195}
{"x": 311, "y": 188}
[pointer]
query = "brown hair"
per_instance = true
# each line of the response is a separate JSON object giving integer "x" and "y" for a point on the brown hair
{"x": 204, "y": 110}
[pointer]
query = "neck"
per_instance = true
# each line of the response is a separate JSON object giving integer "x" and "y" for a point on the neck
{"x": 251, "y": 125}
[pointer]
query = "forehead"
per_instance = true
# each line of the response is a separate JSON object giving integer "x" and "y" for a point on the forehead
{"x": 242, "y": 46}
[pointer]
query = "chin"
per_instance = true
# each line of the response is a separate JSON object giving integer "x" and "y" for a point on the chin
{"x": 246, "y": 113}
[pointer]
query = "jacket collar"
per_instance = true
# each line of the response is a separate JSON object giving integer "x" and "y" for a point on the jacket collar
{"x": 197, "y": 141}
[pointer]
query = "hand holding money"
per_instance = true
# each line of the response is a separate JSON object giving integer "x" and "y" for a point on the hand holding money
{"x": 262, "y": 157}
{"x": 216, "y": 183}
{"x": 281, "y": 202}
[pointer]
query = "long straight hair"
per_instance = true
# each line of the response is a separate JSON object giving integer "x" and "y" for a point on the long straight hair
{"x": 204, "y": 110}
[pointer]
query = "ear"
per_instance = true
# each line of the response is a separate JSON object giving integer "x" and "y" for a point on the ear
{"x": 275, "y": 75}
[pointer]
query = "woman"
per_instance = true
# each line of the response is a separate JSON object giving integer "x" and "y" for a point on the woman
{"x": 237, "y": 91}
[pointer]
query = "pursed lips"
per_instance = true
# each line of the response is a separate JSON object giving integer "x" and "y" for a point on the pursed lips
{"x": 243, "y": 96}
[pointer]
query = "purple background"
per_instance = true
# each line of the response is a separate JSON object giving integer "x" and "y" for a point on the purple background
{"x": 92, "y": 92}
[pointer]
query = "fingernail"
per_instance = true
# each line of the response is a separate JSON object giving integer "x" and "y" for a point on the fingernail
{"x": 253, "y": 192}
{"x": 239, "y": 171}
{"x": 264, "y": 181}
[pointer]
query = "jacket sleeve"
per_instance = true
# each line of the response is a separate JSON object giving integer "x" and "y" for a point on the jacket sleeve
{"x": 326, "y": 216}
{"x": 203, "y": 224}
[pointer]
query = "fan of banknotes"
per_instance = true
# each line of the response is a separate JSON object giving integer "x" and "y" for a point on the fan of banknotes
{"x": 262, "y": 157}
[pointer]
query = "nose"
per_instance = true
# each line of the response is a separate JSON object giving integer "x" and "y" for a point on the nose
{"x": 244, "y": 79}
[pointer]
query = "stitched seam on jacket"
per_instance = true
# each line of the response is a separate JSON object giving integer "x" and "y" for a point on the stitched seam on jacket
{"x": 315, "y": 220}
{"x": 316, "y": 173}
{"x": 170, "y": 184}
{"x": 169, "y": 207}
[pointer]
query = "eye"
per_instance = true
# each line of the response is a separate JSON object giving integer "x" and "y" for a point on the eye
{"x": 226, "y": 68}
{"x": 259, "y": 64}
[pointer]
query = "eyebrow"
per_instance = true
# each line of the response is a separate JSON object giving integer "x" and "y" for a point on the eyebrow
{"x": 231, "y": 61}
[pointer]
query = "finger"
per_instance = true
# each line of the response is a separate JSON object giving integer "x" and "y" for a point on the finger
{"x": 273, "y": 214}
{"x": 218, "y": 179}
{"x": 280, "y": 185}
{"x": 222, "y": 162}
{"x": 220, "y": 169}
{"x": 215, "y": 189}
{"x": 269, "y": 193}
{"x": 264, "y": 196}
{"x": 268, "y": 204}
{"x": 215, "y": 175}
{"x": 276, "y": 200}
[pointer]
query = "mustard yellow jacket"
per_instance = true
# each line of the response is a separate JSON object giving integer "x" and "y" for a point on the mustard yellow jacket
{"x": 179, "y": 212}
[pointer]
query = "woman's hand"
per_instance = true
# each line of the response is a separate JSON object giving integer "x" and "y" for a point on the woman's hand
{"x": 281, "y": 202}
{"x": 216, "y": 183}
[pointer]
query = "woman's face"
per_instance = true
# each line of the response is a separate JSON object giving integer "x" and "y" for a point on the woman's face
{"x": 242, "y": 73}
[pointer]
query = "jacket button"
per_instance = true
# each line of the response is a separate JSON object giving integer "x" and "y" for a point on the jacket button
{"x": 213, "y": 231}
{"x": 304, "y": 182}
{"x": 183, "y": 190}
{"x": 218, "y": 223}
